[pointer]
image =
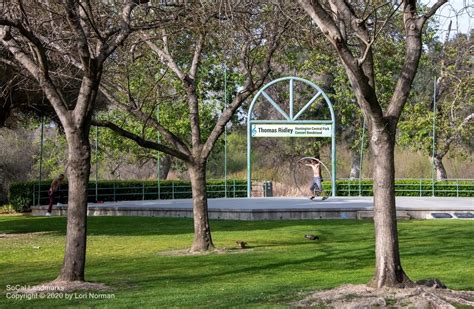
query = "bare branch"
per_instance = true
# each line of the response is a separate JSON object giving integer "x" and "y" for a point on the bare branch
{"x": 413, "y": 28}
{"x": 455, "y": 135}
{"x": 8, "y": 62}
{"x": 372, "y": 40}
{"x": 197, "y": 56}
{"x": 140, "y": 140}
{"x": 73, "y": 18}
{"x": 124, "y": 32}
{"x": 249, "y": 87}
{"x": 164, "y": 56}
{"x": 361, "y": 82}
{"x": 38, "y": 71}
{"x": 433, "y": 10}
{"x": 168, "y": 135}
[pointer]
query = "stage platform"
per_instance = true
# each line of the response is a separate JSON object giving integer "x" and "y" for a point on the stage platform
{"x": 282, "y": 208}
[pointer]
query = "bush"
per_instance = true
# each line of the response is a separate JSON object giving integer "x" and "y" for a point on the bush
{"x": 23, "y": 195}
{"x": 409, "y": 187}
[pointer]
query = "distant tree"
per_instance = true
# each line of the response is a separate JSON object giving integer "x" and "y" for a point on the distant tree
{"x": 16, "y": 158}
{"x": 451, "y": 62}
{"x": 353, "y": 28}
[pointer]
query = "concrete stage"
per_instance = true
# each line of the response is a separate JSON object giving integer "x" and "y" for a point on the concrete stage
{"x": 281, "y": 208}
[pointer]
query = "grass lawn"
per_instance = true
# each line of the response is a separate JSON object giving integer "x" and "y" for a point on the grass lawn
{"x": 129, "y": 254}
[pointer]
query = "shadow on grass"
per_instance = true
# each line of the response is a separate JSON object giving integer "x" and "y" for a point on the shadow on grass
{"x": 417, "y": 238}
{"x": 210, "y": 268}
{"x": 142, "y": 226}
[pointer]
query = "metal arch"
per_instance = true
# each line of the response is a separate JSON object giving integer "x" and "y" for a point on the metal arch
{"x": 291, "y": 79}
{"x": 292, "y": 119}
{"x": 301, "y": 160}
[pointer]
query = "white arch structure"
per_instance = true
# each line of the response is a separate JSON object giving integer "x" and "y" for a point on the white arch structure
{"x": 290, "y": 120}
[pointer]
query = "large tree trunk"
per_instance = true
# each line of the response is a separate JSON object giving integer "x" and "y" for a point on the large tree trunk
{"x": 202, "y": 231}
{"x": 388, "y": 268}
{"x": 439, "y": 168}
{"x": 355, "y": 165}
{"x": 78, "y": 177}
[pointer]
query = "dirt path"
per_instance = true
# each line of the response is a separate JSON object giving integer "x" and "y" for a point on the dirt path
{"x": 361, "y": 296}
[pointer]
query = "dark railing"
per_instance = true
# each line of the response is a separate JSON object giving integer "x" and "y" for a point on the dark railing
{"x": 145, "y": 191}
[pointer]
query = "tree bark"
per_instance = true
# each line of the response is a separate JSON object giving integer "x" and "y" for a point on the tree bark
{"x": 388, "y": 268}
{"x": 78, "y": 177}
{"x": 355, "y": 165}
{"x": 202, "y": 231}
{"x": 165, "y": 166}
{"x": 441, "y": 173}
{"x": 3, "y": 185}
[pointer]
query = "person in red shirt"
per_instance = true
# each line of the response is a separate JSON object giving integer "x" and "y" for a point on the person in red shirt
{"x": 53, "y": 192}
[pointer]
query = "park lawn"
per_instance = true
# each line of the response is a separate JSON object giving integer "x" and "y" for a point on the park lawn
{"x": 132, "y": 255}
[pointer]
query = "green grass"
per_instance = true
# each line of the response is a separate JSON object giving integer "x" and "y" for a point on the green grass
{"x": 281, "y": 266}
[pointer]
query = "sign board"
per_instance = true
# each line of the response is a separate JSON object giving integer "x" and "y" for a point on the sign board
{"x": 291, "y": 130}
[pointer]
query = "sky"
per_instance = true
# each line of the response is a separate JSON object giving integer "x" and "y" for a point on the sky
{"x": 461, "y": 12}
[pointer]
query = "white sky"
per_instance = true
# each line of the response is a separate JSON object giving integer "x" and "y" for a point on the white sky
{"x": 461, "y": 12}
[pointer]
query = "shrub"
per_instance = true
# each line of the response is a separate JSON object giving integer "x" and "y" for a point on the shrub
{"x": 23, "y": 195}
{"x": 409, "y": 187}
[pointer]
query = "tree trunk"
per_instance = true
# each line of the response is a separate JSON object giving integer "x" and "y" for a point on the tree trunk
{"x": 388, "y": 268}
{"x": 202, "y": 231}
{"x": 165, "y": 166}
{"x": 439, "y": 168}
{"x": 78, "y": 177}
{"x": 355, "y": 165}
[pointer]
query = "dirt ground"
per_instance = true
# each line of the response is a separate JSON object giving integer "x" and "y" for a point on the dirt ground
{"x": 362, "y": 296}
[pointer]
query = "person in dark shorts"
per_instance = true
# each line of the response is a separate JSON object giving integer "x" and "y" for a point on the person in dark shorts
{"x": 316, "y": 185}
{"x": 53, "y": 192}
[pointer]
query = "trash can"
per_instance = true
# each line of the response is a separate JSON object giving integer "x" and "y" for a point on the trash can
{"x": 267, "y": 189}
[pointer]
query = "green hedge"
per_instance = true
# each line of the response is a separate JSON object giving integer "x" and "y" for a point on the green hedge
{"x": 408, "y": 187}
{"x": 24, "y": 194}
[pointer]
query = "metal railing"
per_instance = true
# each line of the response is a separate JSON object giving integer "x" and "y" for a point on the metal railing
{"x": 145, "y": 191}
{"x": 177, "y": 190}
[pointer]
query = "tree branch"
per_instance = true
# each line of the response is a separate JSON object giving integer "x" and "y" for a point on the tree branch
{"x": 168, "y": 135}
{"x": 197, "y": 56}
{"x": 361, "y": 82}
{"x": 164, "y": 55}
{"x": 125, "y": 30}
{"x": 71, "y": 7}
{"x": 433, "y": 10}
{"x": 248, "y": 89}
{"x": 413, "y": 29}
{"x": 140, "y": 140}
{"x": 372, "y": 40}
{"x": 39, "y": 73}
{"x": 454, "y": 135}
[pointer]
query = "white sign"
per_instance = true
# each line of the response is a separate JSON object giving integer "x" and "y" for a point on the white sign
{"x": 291, "y": 130}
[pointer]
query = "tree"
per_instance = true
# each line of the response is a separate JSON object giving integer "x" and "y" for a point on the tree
{"x": 15, "y": 158}
{"x": 450, "y": 61}
{"x": 249, "y": 35}
{"x": 352, "y": 28}
{"x": 44, "y": 37}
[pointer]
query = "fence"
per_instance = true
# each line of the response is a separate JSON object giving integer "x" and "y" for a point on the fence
{"x": 111, "y": 191}
{"x": 23, "y": 195}
{"x": 234, "y": 188}
{"x": 410, "y": 187}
